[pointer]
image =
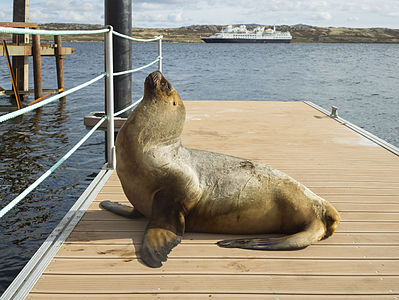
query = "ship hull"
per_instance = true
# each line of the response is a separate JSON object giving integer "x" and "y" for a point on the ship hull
{"x": 261, "y": 41}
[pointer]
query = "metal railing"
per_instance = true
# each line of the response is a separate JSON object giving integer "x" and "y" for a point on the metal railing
{"x": 109, "y": 82}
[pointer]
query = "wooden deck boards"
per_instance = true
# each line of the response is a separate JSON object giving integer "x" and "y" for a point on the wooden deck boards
{"x": 361, "y": 261}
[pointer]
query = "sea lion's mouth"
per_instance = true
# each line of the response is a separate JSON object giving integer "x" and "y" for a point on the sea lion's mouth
{"x": 156, "y": 79}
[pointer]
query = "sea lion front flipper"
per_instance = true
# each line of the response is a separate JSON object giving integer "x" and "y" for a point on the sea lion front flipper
{"x": 121, "y": 210}
{"x": 164, "y": 230}
{"x": 296, "y": 241}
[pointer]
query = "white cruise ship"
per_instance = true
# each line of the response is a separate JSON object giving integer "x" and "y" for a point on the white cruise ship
{"x": 243, "y": 35}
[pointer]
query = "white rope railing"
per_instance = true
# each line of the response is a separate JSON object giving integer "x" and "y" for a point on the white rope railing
{"x": 109, "y": 74}
{"x": 156, "y": 38}
{"x": 29, "y": 189}
{"x": 127, "y": 108}
{"x": 38, "y": 181}
{"x": 137, "y": 69}
{"x": 17, "y": 113}
{"x": 21, "y": 111}
{"x": 50, "y": 32}
{"x": 159, "y": 58}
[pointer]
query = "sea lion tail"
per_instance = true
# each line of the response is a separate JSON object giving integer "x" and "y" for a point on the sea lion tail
{"x": 121, "y": 210}
{"x": 296, "y": 241}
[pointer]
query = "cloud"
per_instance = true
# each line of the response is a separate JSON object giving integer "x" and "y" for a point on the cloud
{"x": 353, "y": 19}
{"x": 177, "y": 17}
{"x": 66, "y": 11}
{"x": 6, "y": 12}
{"x": 325, "y": 15}
{"x": 176, "y": 13}
{"x": 162, "y": 18}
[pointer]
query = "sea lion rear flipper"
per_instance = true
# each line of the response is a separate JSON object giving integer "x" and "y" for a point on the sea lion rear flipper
{"x": 295, "y": 241}
{"x": 122, "y": 210}
{"x": 164, "y": 230}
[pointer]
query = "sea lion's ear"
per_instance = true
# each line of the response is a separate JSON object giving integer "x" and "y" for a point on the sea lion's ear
{"x": 164, "y": 230}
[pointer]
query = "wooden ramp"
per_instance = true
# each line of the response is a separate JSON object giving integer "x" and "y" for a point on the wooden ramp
{"x": 100, "y": 259}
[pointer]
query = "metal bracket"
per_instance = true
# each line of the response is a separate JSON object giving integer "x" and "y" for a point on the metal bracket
{"x": 334, "y": 112}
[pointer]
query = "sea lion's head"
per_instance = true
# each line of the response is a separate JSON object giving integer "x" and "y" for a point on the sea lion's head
{"x": 158, "y": 89}
{"x": 164, "y": 108}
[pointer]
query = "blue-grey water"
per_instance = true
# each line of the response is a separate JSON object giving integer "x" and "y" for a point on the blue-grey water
{"x": 361, "y": 79}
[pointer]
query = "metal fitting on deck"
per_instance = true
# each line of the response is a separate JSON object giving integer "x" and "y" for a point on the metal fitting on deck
{"x": 334, "y": 112}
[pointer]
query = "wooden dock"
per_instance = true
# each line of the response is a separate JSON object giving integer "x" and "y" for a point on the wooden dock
{"x": 100, "y": 258}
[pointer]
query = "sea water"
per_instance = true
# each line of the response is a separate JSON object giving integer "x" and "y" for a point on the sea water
{"x": 362, "y": 80}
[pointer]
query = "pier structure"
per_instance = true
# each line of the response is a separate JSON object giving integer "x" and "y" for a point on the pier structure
{"x": 100, "y": 257}
{"x": 20, "y": 50}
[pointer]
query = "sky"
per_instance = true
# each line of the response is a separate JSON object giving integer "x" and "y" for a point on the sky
{"x": 177, "y": 13}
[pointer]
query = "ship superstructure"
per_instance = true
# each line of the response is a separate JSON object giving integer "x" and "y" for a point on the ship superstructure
{"x": 241, "y": 34}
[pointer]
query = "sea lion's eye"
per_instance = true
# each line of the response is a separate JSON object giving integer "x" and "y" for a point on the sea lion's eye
{"x": 174, "y": 103}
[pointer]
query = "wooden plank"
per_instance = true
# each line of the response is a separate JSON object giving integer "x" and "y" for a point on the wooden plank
{"x": 317, "y": 190}
{"x": 316, "y": 251}
{"x": 98, "y": 220}
{"x": 72, "y": 266}
{"x": 47, "y": 91}
{"x": 325, "y": 161}
{"x": 362, "y": 207}
{"x": 26, "y": 50}
{"x": 367, "y": 185}
{"x": 235, "y": 284}
{"x": 366, "y": 199}
{"x": 126, "y": 237}
{"x": 326, "y": 184}
{"x": 333, "y": 198}
{"x": 91, "y": 121}
{"x": 317, "y": 180}
{"x": 340, "y": 205}
{"x": 119, "y": 196}
{"x": 348, "y": 211}
{"x": 19, "y": 24}
{"x": 209, "y": 296}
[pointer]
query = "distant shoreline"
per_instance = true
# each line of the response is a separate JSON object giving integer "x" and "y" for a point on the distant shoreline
{"x": 192, "y": 34}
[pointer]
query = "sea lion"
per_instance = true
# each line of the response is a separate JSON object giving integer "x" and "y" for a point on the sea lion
{"x": 181, "y": 189}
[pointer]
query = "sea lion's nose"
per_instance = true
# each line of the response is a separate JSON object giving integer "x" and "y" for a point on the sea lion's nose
{"x": 153, "y": 78}
{"x": 156, "y": 76}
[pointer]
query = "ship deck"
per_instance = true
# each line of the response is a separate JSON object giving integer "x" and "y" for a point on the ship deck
{"x": 101, "y": 257}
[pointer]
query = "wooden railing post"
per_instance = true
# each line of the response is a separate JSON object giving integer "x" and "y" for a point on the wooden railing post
{"x": 59, "y": 63}
{"x": 37, "y": 66}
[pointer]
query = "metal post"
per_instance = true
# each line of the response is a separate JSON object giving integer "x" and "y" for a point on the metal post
{"x": 109, "y": 87}
{"x": 118, "y": 14}
{"x": 37, "y": 67}
{"x": 160, "y": 55}
{"x": 21, "y": 63}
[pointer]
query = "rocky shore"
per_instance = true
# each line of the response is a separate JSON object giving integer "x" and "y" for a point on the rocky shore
{"x": 192, "y": 34}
